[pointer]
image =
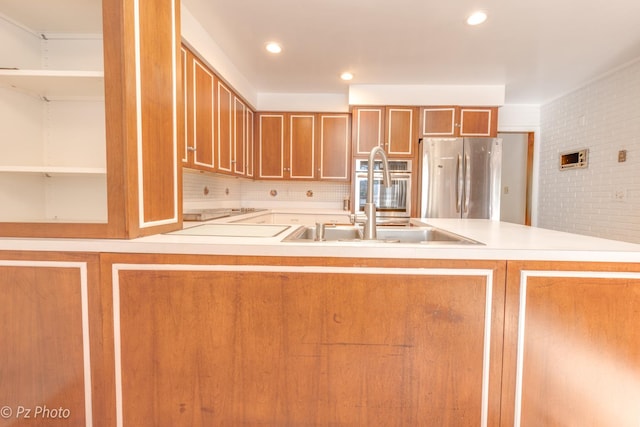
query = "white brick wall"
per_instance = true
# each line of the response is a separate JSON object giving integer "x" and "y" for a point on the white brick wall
{"x": 605, "y": 118}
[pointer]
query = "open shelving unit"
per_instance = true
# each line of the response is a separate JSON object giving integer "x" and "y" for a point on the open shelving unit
{"x": 52, "y": 120}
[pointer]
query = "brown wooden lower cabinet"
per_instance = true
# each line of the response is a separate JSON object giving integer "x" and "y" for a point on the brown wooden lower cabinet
{"x": 572, "y": 345}
{"x": 294, "y": 345}
{"x": 178, "y": 340}
{"x": 52, "y": 370}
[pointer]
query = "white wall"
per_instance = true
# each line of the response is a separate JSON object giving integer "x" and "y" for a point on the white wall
{"x": 476, "y": 95}
{"x": 195, "y": 36}
{"x": 306, "y": 102}
{"x": 605, "y": 118}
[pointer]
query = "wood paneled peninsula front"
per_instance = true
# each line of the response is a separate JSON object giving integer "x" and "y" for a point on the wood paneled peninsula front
{"x": 534, "y": 327}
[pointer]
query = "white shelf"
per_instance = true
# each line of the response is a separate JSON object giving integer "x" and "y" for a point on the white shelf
{"x": 54, "y": 170}
{"x": 51, "y": 84}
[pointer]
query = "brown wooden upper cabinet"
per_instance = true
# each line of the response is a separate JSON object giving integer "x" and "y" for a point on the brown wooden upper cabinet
{"x": 199, "y": 85}
{"x": 234, "y": 133}
{"x": 393, "y": 128}
{"x": 218, "y": 124}
{"x": 459, "y": 121}
{"x": 334, "y": 147}
{"x": 303, "y": 146}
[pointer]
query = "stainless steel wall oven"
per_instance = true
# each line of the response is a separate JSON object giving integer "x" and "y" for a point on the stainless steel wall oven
{"x": 392, "y": 204}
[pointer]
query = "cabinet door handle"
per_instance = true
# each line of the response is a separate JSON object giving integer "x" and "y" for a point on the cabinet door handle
{"x": 192, "y": 149}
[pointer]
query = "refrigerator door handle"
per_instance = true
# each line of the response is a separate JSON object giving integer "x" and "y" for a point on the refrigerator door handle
{"x": 459, "y": 183}
{"x": 467, "y": 182}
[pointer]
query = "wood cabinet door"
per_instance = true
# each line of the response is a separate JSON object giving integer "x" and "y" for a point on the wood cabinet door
{"x": 225, "y": 128}
{"x": 439, "y": 121}
{"x": 203, "y": 115}
{"x": 250, "y": 157}
{"x": 572, "y": 352}
{"x": 271, "y": 145}
{"x": 298, "y": 345}
{"x": 459, "y": 121}
{"x": 334, "y": 157}
{"x": 52, "y": 363}
{"x": 300, "y": 161}
{"x": 187, "y": 108}
{"x": 478, "y": 121}
{"x": 401, "y": 131}
{"x": 239, "y": 136}
{"x": 368, "y": 129}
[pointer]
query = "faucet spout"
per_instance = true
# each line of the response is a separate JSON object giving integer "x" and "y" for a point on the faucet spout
{"x": 369, "y": 232}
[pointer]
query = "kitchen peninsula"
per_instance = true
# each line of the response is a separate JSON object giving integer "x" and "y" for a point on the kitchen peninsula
{"x": 187, "y": 330}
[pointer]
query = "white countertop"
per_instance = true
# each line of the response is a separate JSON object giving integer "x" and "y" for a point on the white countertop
{"x": 501, "y": 241}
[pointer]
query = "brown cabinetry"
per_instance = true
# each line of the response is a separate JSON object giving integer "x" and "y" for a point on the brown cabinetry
{"x": 393, "y": 128}
{"x": 224, "y": 123}
{"x": 250, "y": 142}
{"x": 318, "y": 341}
{"x": 451, "y": 121}
{"x": 218, "y": 129}
{"x": 571, "y": 352}
{"x": 337, "y": 345}
{"x": 239, "y": 137}
{"x": 52, "y": 361}
{"x": 270, "y": 145}
{"x": 334, "y": 153}
{"x": 303, "y": 146}
{"x": 199, "y": 95}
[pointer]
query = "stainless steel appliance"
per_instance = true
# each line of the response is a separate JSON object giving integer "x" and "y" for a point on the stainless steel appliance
{"x": 393, "y": 204}
{"x": 460, "y": 177}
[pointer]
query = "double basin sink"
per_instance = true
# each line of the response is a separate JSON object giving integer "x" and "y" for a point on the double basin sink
{"x": 385, "y": 234}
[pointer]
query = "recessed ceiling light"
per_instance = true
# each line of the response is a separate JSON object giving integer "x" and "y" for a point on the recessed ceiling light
{"x": 273, "y": 47}
{"x": 477, "y": 18}
{"x": 346, "y": 76}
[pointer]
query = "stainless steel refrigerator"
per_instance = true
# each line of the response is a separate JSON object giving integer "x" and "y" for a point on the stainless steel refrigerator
{"x": 460, "y": 177}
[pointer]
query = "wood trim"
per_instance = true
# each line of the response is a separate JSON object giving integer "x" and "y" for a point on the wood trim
{"x": 529, "y": 191}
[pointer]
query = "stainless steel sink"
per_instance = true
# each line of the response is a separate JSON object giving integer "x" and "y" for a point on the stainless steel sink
{"x": 418, "y": 235}
{"x": 331, "y": 233}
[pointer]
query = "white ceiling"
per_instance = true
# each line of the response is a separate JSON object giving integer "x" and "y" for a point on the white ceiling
{"x": 538, "y": 49}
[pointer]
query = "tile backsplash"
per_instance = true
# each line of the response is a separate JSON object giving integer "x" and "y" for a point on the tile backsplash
{"x": 204, "y": 190}
{"x": 602, "y": 199}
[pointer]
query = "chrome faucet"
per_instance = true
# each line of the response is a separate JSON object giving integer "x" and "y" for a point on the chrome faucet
{"x": 369, "y": 232}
